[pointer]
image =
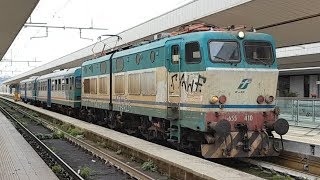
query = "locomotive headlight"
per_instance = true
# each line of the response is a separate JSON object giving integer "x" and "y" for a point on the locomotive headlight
{"x": 214, "y": 99}
{"x": 269, "y": 99}
{"x": 241, "y": 34}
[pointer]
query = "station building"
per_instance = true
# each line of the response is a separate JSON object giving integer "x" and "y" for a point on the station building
{"x": 299, "y": 71}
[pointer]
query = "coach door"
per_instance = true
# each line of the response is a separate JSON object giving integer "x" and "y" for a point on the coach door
{"x": 67, "y": 88}
{"x": 173, "y": 48}
{"x": 49, "y": 93}
{"x": 25, "y": 91}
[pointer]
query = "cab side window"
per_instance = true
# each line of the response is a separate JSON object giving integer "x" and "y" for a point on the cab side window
{"x": 193, "y": 54}
{"x": 175, "y": 54}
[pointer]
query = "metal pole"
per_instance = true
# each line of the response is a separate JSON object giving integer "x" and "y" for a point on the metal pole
{"x": 292, "y": 111}
{"x": 313, "y": 112}
{"x": 298, "y": 109}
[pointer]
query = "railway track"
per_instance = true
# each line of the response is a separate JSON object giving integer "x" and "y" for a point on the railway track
{"x": 306, "y": 164}
{"x": 50, "y": 156}
{"x": 134, "y": 173}
{"x": 285, "y": 171}
{"x": 282, "y": 166}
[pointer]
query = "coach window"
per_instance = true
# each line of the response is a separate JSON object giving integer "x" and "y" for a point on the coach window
{"x": 138, "y": 58}
{"x": 55, "y": 85}
{"x": 93, "y": 86}
{"x": 103, "y": 67}
{"x": 77, "y": 82}
{"x": 152, "y": 56}
{"x": 103, "y": 85}
{"x": 119, "y": 64}
{"x": 193, "y": 54}
{"x": 71, "y": 83}
{"x": 62, "y": 84}
{"x": 91, "y": 68}
{"x": 86, "y": 86}
{"x": 175, "y": 54}
{"x": 52, "y": 85}
{"x": 67, "y": 83}
{"x": 59, "y": 84}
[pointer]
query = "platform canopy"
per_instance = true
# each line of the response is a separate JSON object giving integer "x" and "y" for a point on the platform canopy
{"x": 291, "y": 22}
{"x": 13, "y": 15}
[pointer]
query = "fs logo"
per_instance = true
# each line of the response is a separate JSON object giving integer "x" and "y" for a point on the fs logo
{"x": 244, "y": 83}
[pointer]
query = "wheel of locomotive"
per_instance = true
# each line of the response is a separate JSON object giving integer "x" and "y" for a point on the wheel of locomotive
{"x": 111, "y": 120}
{"x": 144, "y": 126}
{"x": 70, "y": 112}
{"x": 44, "y": 105}
{"x": 156, "y": 132}
{"x": 99, "y": 115}
{"x": 83, "y": 114}
{"x": 190, "y": 141}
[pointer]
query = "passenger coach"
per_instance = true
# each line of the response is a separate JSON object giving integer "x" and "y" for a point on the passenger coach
{"x": 28, "y": 90}
{"x": 60, "y": 90}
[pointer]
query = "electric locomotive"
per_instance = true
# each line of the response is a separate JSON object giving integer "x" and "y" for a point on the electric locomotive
{"x": 211, "y": 92}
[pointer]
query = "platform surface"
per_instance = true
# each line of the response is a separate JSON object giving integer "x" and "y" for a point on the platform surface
{"x": 303, "y": 135}
{"x": 18, "y": 160}
{"x": 202, "y": 167}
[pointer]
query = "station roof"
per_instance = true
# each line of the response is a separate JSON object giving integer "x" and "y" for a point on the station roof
{"x": 13, "y": 15}
{"x": 291, "y": 22}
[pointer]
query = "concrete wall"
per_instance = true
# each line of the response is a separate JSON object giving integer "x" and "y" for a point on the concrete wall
{"x": 296, "y": 85}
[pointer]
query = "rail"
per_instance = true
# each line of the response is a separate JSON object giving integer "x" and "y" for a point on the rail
{"x": 115, "y": 162}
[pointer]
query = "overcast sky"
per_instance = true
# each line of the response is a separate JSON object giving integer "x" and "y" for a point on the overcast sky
{"x": 116, "y": 16}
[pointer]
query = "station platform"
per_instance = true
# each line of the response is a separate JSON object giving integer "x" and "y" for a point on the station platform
{"x": 302, "y": 140}
{"x": 194, "y": 165}
{"x": 18, "y": 160}
{"x": 301, "y": 134}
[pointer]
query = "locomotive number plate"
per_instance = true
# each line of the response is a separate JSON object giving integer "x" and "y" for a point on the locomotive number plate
{"x": 240, "y": 117}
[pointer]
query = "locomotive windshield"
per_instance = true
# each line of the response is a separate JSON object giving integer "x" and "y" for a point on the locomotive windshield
{"x": 227, "y": 51}
{"x": 258, "y": 52}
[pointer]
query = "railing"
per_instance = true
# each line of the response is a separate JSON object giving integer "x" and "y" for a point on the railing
{"x": 303, "y": 112}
